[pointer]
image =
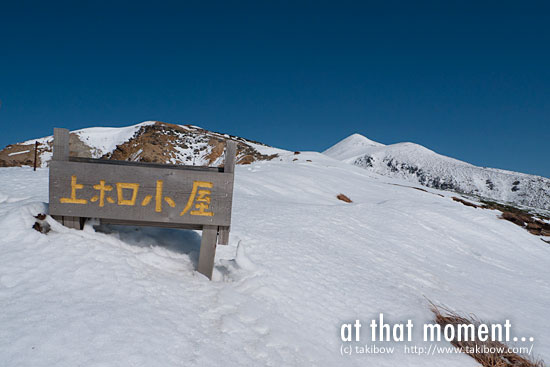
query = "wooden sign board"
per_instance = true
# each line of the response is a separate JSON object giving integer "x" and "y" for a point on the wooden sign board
{"x": 135, "y": 193}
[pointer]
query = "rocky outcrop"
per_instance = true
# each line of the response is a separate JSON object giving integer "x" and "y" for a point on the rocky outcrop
{"x": 22, "y": 154}
{"x": 154, "y": 141}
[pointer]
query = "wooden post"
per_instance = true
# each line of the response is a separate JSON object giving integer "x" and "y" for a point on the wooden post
{"x": 60, "y": 144}
{"x": 208, "y": 250}
{"x": 61, "y": 153}
{"x": 72, "y": 222}
{"x": 229, "y": 167}
{"x": 230, "y": 156}
{"x": 35, "y": 153}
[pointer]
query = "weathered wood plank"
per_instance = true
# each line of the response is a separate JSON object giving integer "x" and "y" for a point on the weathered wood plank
{"x": 208, "y": 251}
{"x": 230, "y": 156}
{"x": 95, "y": 190}
{"x": 229, "y": 167}
{"x": 223, "y": 235}
{"x": 60, "y": 144}
{"x": 71, "y": 222}
{"x": 145, "y": 164}
{"x": 126, "y": 222}
{"x": 58, "y": 218}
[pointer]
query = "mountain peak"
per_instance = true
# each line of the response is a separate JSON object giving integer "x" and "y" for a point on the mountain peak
{"x": 352, "y": 146}
{"x": 149, "y": 141}
{"x": 420, "y": 165}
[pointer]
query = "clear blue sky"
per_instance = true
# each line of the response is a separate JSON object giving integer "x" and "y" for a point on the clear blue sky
{"x": 467, "y": 79}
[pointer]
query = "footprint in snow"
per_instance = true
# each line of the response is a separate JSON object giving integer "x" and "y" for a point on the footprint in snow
{"x": 229, "y": 269}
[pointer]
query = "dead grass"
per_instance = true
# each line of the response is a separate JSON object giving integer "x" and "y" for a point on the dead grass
{"x": 445, "y": 317}
{"x": 518, "y": 216}
{"x": 467, "y": 203}
{"x": 343, "y": 198}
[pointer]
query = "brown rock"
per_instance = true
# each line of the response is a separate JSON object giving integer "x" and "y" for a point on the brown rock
{"x": 247, "y": 159}
{"x": 156, "y": 143}
{"x": 218, "y": 147}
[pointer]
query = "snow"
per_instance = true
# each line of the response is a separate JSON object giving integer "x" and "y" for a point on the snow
{"x": 266, "y": 149}
{"x": 102, "y": 140}
{"x": 106, "y": 139}
{"x": 417, "y": 164}
{"x": 299, "y": 264}
{"x": 352, "y": 146}
{"x": 16, "y": 153}
{"x": 194, "y": 143}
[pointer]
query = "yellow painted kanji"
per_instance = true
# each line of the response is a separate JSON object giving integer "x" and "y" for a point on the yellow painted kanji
{"x": 158, "y": 198}
{"x": 120, "y": 194}
{"x": 73, "y": 199}
{"x": 202, "y": 199}
{"x": 101, "y": 187}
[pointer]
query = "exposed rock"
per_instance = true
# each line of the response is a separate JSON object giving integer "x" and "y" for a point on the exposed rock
{"x": 247, "y": 159}
{"x": 155, "y": 142}
{"x": 41, "y": 225}
{"x": 17, "y": 155}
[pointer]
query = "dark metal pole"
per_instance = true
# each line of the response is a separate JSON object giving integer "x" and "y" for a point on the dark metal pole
{"x": 35, "y": 153}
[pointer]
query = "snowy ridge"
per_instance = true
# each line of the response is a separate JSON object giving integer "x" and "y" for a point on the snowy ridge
{"x": 351, "y": 146}
{"x": 417, "y": 164}
{"x": 106, "y": 139}
{"x": 299, "y": 264}
{"x": 149, "y": 141}
{"x": 103, "y": 139}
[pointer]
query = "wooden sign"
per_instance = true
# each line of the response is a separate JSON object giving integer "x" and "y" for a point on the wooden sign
{"x": 134, "y": 193}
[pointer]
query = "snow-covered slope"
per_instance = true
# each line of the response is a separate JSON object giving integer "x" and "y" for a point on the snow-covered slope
{"x": 351, "y": 146}
{"x": 415, "y": 163}
{"x": 299, "y": 264}
{"x": 149, "y": 141}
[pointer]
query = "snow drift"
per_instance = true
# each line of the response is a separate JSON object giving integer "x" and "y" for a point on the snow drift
{"x": 299, "y": 264}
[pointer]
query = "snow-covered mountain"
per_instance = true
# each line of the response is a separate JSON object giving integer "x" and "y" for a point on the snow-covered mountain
{"x": 415, "y": 163}
{"x": 150, "y": 141}
{"x": 159, "y": 142}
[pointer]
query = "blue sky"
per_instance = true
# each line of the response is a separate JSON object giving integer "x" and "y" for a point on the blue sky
{"x": 467, "y": 79}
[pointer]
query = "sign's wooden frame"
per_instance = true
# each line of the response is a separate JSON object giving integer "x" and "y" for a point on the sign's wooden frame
{"x": 147, "y": 194}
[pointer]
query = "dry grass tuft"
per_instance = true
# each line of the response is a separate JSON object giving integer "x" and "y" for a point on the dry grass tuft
{"x": 445, "y": 317}
{"x": 467, "y": 203}
{"x": 343, "y": 198}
